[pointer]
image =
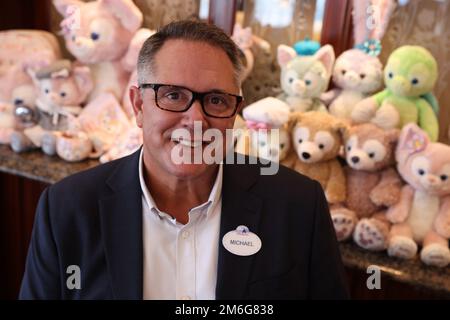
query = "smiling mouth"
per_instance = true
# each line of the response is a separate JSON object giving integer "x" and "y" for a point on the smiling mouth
{"x": 189, "y": 143}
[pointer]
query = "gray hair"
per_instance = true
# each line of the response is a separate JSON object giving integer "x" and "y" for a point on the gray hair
{"x": 192, "y": 30}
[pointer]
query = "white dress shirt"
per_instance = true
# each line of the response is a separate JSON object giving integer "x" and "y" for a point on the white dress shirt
{"x": 180, "y": 261}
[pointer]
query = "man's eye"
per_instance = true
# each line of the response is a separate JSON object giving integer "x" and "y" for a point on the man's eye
{"x": 173, "y": 95}
{"x": 217, "y": 100}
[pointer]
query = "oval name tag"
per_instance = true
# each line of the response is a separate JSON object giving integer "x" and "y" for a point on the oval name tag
{"x": 241, "y": 242}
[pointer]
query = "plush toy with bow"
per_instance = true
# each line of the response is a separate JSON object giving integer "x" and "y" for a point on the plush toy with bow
{"x": 267, "y": 134}
{"x": 422, "y": 216}
{"x": 358, "y": 73}
{"x": 98, "y": 34}
{"x": 305, "y": 78}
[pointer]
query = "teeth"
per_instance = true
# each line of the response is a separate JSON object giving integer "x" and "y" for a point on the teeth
{"x": 191, "y": 144}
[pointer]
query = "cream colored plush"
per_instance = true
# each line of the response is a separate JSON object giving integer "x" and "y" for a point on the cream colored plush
{"x": 316, "y": 139}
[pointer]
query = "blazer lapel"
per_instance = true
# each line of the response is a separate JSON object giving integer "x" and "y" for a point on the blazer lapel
{"x": 239, "y": 207}
{"x": 121, "y": 227}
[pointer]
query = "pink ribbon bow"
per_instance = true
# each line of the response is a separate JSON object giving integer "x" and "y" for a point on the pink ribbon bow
{"x": 255, "y": 125}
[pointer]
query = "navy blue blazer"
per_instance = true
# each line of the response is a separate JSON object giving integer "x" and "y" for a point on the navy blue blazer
{"x": 93, "y": 219}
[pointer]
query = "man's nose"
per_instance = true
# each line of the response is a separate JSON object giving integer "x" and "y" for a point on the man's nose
{"x": 194, "y": 113}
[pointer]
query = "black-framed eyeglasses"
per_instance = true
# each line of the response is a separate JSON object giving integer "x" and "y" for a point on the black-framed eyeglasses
{"x": 214, "y": 104}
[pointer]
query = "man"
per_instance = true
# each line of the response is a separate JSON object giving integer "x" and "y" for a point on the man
{"x": 148, "y": 227}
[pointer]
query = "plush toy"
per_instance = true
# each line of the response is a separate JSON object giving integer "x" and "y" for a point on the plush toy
{"x": 305, "y": 78}
{"x": 356, "y": 76}
{"x": 316, "y": 139}
{"x": 373, "y": 185}
{"x": 267, "y": 134}
{"x": 410, "y": 75}
{"x": 126, "y": 144}
{"x": 21, "y": 50}
{"x": 129, "y": 62}
{"x": 245, "y": 40}
{"x": 358, "y": 73}
{"x": 422, "y": 216}
{"x": 62, "y": 88}
{"x": 98, "y": 34}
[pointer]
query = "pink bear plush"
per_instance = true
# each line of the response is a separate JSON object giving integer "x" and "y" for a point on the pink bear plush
{"x": 98, "y": 33}
{"x": 422, "y": 216}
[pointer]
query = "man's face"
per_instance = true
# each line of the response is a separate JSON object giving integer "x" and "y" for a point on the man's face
{"x": 198, "y": 67}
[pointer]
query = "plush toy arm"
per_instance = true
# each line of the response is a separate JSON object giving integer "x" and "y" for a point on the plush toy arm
{"x": 400, "y": 211}
{"x": 380, "y": 96}
{"x": 329, "y": 96}
{"x": 336, "y": 188}
{"x": 387, "y": 191}
{"x": 427, "y": 119}
{"x": 442, "y": 222}
{"x": 319, "y": 106}
{"x": 365, "y": 110}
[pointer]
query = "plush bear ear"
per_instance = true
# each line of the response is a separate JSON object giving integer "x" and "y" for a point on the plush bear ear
{"x": 341, "y": 127}
{"x": 412, "y": 140}
{"x": 62, "y": 6}
{"x": 327, "y": 57}
{"x": 294, "y": 118}
{"x": 285, "y": 54}
{"x": 84, "y": 81}
{"x": 392, "y": 135}
{"x": 128, "y": 13}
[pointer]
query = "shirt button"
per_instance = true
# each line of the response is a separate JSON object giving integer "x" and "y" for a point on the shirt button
{"x": 185, "y": 234}
{"x": 185, "y": 298}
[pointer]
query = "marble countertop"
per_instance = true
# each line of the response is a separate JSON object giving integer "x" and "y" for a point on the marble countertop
{"x": 37, "y": 166}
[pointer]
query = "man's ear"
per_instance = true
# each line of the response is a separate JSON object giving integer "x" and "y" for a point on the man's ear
{"x": 137, "y": 103}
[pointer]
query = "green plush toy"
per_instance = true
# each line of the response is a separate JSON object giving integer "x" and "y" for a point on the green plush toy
{"x": 410, "y": 75}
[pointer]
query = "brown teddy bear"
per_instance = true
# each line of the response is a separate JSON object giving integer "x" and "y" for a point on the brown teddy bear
{"x": 372, "y": 185}
{"x": 316, "y": 140}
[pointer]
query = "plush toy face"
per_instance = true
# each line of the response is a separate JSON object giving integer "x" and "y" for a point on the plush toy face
{"x": 271, "y": 144}
{"x": 411, "y": 71}
{"x": 305, "y": 76}
{"x": 357, "y": 71}
{"x": 424, "y": 165}
{"x": 66, "y": 90}
{"x": 370, "y": 148}
{"x": 316, "y": 136}
{"x": 98, "y": 31}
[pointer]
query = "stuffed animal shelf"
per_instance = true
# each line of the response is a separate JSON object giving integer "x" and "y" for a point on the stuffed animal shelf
{"x": 316, "y": 140}
{"x": 422, "y": 216}
{"x": 305, "y": 78}
{"x": 410, "y": 75}
{"x": 373, "y": 185}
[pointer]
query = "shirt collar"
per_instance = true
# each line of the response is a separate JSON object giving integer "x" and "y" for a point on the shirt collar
{"x": 213, "y": 200}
